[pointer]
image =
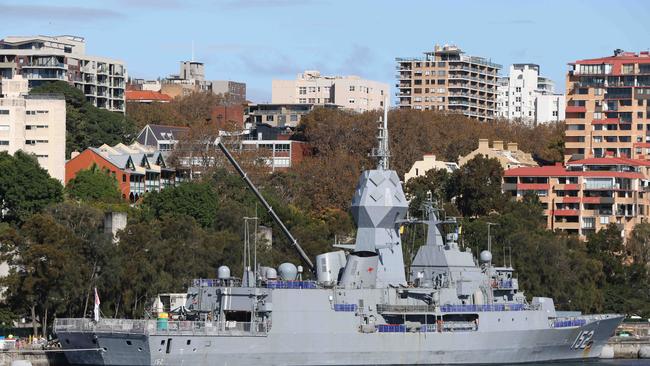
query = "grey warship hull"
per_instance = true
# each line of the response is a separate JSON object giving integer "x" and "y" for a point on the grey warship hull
{"x": 307, "y": 330}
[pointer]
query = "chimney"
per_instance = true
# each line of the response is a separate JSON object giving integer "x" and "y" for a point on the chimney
{"x": 74, "y": 154}
{"x": 513, "y": 146}
{"x": 497, "y": 145}
{"x": 483, "y": 144}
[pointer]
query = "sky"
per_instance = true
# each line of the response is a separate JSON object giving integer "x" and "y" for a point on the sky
{"x": 256, "y": 41}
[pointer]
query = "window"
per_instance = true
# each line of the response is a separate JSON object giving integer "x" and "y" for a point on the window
{"x": 312, "y": 100}
{"x": 518, "y": 99}
{"x": 123, "y": 177}
{"x": 351, "y": 100}
{"x": 293, "y": 118}
{"x": 302, "y": 90}
{"x": 30, "y": 113}
{"x": 269, "y": 118}
{"x": 4, "y": 111}
{"x": 351, "y": 87}
{"x": 518, "y": 109}
{"x": 639, "y": 114}
{"x": 4, "y": 143}
{"x": 518, "y": 89}
{"x": 302, "y": 100}
{"x": 312, "y": 89}
{"x": 554, "y": 113}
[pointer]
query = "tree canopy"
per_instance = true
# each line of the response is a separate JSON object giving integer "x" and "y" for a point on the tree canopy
{"x": 94, "y": 185}
{"x": 25, "y": 187}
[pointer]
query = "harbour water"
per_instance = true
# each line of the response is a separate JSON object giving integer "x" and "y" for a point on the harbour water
{"x": 636, "y": 362}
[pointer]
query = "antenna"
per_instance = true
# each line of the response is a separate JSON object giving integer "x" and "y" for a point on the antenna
{"x": 381, "y": 152}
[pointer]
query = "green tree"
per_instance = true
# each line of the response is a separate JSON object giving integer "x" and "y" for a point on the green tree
{"x": 25, "y": 187}
{"x": 87, "y": 125}
{"x": 477, "y": 186}
{"x": 638, "y": 245}
{"x": 436, "y": 181}
{"x": 194, "y": 199}
{"x": 94, "y": 185}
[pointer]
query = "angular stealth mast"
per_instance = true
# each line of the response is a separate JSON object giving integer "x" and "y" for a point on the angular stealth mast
{"x": 378, "y": 204}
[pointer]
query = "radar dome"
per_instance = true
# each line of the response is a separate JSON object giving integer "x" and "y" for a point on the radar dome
{"x": 486, "y": 256}
{"x": 271, "y": 273}
{"x": 223, "y": 273}
{"x": 288, "y": 271}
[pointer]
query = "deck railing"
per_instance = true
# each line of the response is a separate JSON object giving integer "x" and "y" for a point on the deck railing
{"x": 153, "y": 327}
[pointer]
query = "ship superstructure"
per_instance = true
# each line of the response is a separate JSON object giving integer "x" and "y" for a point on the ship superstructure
{"x": 359, "y": 310}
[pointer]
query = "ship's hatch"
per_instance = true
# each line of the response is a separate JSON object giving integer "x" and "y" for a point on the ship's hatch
{"x": 239, "y": 316}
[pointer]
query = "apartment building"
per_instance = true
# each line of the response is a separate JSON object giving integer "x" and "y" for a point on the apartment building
{"x": 350, "y": 92}
{"x": 607, "y": 107}
{"x": 191, "y": 79}
{"x": 137, "y": 168}
{"x": 34, "y": 124}
{"x": 236, "y": 91}
{"x": 586, "y": 195}
{"x": 280, "y": 115}
{"x": 447, "y": 79}
{"x": 49, "y": 58}
{"x": 527, "y": 96}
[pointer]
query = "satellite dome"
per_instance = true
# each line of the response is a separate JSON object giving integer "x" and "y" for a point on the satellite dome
{"x": 271, "y": 273}
{"x": 288, "y": 271}
{"x": 223, "y": 273}
{"x": 486, "y": 256}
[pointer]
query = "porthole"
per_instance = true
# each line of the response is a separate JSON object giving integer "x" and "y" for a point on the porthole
{"x": 162, "y": 343}
{"x": 513, "y": 319}
{"x": 189, "y": 341}
{"x": 193, "y": 349}
{"x": 129, "y": 343}
{"x": 68, "y": 341}
{"x": 139, "y": 349}
{"x": 105, "y": 349}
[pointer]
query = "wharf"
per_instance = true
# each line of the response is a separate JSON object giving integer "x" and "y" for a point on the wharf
{"x": 634, "y": 344}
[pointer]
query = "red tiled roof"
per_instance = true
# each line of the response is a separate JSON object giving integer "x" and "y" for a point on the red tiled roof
{"x": 609, "y": 161}
{"x": 626, "y": 57}
{"x": 146, "y": 95}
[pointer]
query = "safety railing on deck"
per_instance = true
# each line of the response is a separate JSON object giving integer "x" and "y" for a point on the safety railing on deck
{"x": 227, "y": 328}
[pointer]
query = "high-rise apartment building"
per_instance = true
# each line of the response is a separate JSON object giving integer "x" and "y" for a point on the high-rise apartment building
{"x": 447, "y": 79}
{"x": 607, "y": 107}
{"x": 43, "y": 58}
{"x": 586, "y": 195}
{"x": 34, "y": 124}
{"x": 525, "y": 95}
{"x": 350, "y": 92}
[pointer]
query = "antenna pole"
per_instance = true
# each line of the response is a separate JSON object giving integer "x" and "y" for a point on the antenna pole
{"x": 381, "y": 152}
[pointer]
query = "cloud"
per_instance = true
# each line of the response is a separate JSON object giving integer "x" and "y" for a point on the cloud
{"x": 152, "y": 4}
{"x": 248, "y": 4}
{"x": 357, "y": 61}
{"x": 50, "y": 12}
{"x": 280, "y": 65}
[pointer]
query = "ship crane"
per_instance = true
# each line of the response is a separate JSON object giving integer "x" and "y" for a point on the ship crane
{"x": 287, "y": 233}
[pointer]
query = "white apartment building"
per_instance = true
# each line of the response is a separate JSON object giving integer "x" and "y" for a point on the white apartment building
{"x": 350, "y": 92}
{"x": 34, "y": 124}
{"x": 49, "y": 58}
{"x": 527, "y": 96}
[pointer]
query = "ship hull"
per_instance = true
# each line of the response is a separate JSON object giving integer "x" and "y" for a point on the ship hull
{"x": 555, "y": 344}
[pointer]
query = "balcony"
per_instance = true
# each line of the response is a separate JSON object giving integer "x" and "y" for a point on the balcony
{"x": 566, "y": 212}
{"x": 575, "y": 109}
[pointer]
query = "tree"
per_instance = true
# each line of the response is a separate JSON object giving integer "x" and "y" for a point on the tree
{"x": 46, "y": 269}
{"x": 638, "y": 245}
{"x": 194, "y": 199}
{"x": 25, "y": 187}
{"x": 94, "y": 185}
{"x": 436, "y": 181}
{"x": 87, "y": 125}
{"x": 477, "y": 186}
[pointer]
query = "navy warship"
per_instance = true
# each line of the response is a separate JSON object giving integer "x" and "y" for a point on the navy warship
{"x": 359, "y": 309}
